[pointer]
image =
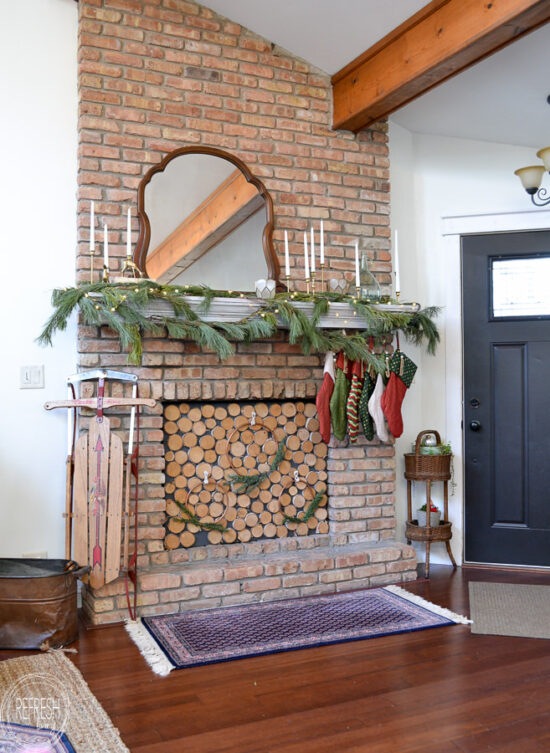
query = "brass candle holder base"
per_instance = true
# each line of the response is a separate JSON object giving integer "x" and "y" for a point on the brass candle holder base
{"x": 92, "y": 254}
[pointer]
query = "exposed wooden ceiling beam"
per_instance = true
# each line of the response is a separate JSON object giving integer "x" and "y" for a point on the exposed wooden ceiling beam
{"x": 440, "y": 40}
{"x": 233, "y": 202}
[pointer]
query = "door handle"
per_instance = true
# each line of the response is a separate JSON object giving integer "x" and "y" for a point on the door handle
{"x": 475, "y": 425}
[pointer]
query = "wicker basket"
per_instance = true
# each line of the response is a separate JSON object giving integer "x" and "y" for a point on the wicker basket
{"x": 442, "y": 532}
{"x": 433, "y": 467}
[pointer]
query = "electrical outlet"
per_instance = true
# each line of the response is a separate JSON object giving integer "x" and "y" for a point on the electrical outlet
{"x": 31, "y": 378}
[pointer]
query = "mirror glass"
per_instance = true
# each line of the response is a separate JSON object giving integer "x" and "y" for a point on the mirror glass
{"x": 205, "y": 219}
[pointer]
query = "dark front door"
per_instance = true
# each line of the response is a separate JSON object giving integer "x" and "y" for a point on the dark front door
{"x": 506, "y": 314}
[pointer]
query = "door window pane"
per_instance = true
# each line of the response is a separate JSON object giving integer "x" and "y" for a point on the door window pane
{"x": 520, "y": 287}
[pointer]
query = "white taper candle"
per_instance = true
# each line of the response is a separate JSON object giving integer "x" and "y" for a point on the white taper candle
{"x": 92, "y": 227}
{"x": 287, "y": 258}
{"x": 105, "y": 247}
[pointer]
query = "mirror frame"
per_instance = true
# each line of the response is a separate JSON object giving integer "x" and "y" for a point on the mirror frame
{"x": 144, "y": 237}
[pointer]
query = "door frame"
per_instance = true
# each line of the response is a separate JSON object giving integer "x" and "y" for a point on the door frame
{"x": 452, "y": 230}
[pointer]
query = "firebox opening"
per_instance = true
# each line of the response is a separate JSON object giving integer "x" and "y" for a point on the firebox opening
{"x": 241, "y": 471}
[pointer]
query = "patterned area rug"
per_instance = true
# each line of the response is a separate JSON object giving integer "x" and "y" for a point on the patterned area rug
{"x": 19, "y": 738}
{"x": 203, "y": 637}
{"x": 47, "y": 707}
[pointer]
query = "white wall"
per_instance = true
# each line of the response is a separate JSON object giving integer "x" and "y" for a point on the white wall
{"x": 38, "y": 134}
{"x": 434, "y": 179}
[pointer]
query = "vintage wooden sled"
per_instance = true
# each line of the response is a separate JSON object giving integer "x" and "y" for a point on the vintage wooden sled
{"x": 98, "y": 478}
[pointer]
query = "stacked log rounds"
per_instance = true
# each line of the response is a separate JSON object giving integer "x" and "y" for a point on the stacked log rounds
{"x": 207, "y": 445}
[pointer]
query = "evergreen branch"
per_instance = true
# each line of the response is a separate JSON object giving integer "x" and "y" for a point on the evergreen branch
{"x": 245, "y": 483}
{"x": 308, "y": 512}
{"x": 321, "y": 307}
{"x": 279, "y": 455}
{"x": 296, "y": 321}
{"x": 123, "y": 307}
{"x": 189, "y": 517}
{"x": 64, "y": 303}
{"x": 421, "y": 327}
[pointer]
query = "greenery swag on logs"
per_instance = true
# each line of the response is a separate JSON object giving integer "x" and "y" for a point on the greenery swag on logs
{"x": 123, "y": 307}
{"x": 245, "y": 484}
{"x": 191, "y": 518}
{"x": 308, "y": 513}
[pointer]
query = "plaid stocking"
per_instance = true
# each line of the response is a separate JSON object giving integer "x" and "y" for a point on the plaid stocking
{"x": 402, "y": 371}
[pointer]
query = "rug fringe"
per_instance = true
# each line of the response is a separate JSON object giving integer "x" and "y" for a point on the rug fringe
{"x": 148, "y": 647}
{"x": 435, "y": 608}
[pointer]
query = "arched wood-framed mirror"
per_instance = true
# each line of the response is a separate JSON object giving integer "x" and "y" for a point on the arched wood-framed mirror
{"x": 204, "y": 218}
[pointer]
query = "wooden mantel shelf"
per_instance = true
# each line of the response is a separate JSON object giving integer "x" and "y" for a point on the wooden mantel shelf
{"x": 236, "y": 309}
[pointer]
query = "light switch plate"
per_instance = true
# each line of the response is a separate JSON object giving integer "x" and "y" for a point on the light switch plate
{"x": 31, "y": 377}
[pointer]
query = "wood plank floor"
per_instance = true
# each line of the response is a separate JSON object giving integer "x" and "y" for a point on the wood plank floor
{"x": 436, "y": 691}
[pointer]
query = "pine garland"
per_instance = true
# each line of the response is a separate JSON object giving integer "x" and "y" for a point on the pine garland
{"x": 190, "y": 517}
{"x": 123, "y": 307}
{"x": 245, "y": 484}
{"x": 308, "y": 513}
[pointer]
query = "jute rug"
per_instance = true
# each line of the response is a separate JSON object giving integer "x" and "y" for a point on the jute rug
{"x": 213, "y": 635}
{"x": 46, "y": 707}
{"x": 510, "y": 609}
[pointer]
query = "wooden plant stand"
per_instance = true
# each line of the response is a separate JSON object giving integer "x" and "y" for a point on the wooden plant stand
{"x": 428, "y": 469}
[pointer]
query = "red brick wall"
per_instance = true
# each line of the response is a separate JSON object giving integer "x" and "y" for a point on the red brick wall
{"x": 159, "y": 74}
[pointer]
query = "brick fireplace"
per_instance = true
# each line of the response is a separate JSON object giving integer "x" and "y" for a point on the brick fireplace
{"x": 360, "y": 547}
{"x": 156, "y": 75}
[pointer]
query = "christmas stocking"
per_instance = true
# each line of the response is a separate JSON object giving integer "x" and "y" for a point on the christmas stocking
{"x": 366, "y": 419}
{"x": 339, "y": 398}
{"x": 402, "y": 371}
{"x": 375, "y": 409}
{"x": 352, "y": 405}
{"x": 322, "y": 401}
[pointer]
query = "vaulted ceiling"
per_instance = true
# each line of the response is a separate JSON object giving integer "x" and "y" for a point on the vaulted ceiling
{"x": 501, "y": 99}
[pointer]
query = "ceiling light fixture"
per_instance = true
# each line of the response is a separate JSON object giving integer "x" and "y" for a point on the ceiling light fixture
{"x": 531, "y": 176}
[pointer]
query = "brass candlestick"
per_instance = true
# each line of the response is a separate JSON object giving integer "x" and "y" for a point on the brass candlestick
{"x": 92, "y": 254}
{"x": 313, "y": 283}
{"x": 287, "y": 278}
{"x": 322, "y": 276}
{"x": 307, "y": 285}
{"x": 105, "y": 274}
